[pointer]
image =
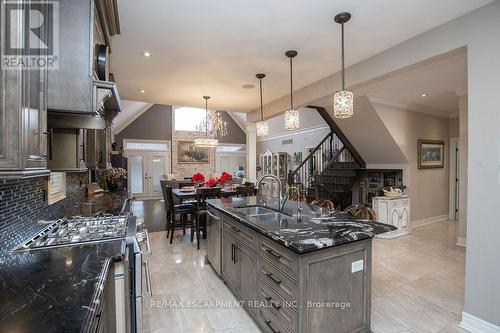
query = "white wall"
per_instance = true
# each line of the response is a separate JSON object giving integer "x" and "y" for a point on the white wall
{"x": 301, "y": 141}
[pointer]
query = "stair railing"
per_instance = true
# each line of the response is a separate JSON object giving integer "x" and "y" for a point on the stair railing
{"x": 333, "y": 148}
{"x": 350, "y": 154}
{"x": 317, "y": 160}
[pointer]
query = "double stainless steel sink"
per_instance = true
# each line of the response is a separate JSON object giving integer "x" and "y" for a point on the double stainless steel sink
{"x": 262, "y": 213}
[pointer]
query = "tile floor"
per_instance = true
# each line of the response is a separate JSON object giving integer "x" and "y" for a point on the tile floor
{"x": 418, "y": 284}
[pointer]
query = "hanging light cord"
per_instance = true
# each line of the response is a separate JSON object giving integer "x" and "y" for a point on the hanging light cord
{"x": 291, "y": 84}
{"x": 343, "y": 66}
{"x": 261, "y": 107}
{"x": 206, "y": 116}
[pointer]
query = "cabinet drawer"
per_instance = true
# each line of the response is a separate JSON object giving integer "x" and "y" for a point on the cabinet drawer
{"x": 279, "y": 282}
{"x": 399, "y": 203}
{"x": 245, "y": 235}
{"x": 279, "y": 256}
{"x": 269, "y": 323}
{"x": 284, "y": 311}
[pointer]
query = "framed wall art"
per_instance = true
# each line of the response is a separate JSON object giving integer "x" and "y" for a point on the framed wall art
{"x": 430, "y": 154}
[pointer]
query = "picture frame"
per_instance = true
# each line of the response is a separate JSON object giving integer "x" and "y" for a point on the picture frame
{"x": 430, "y": 154}
{"x": 188, "y": 153}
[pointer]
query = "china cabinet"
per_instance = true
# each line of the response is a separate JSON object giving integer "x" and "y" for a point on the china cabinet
{"x": 273, "y": 164}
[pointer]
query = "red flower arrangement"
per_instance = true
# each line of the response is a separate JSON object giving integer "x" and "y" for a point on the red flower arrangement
{"x": 212, "y": 182}
{"x": 198, "y": 178}
{"x": 224, "y": 178}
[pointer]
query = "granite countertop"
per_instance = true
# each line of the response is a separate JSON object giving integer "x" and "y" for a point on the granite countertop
{"x": 55, "y": 290}
{"x": 317, "y": 228}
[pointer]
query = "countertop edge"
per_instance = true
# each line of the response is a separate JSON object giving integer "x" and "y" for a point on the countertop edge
{"x": 253, "y": 227}
{"x": 96, "y": 298}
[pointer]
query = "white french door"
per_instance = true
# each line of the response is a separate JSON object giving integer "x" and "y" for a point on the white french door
{"x": 146, "y": 169}
{"x": 148, "y": 161}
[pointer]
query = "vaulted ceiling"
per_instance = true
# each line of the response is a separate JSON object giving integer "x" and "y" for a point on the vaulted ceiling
{"x": 215, "y": 47}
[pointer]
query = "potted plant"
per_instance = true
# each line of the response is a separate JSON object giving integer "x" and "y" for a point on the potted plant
{"x": 111, "y": 179}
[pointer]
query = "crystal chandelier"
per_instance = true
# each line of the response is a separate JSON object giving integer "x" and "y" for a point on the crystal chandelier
{"x": 209, "y": 139}
{"x": 343, "y": 100}
{"x": 292, "y": 115}
{"x": 262, "y": 126}
{"x": 213, "y": 123}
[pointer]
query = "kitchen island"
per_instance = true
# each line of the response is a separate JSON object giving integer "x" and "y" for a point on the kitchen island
{"x": 300, "y": 270}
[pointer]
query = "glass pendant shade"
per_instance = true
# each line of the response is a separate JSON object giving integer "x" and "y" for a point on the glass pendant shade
{"x": 262, "y": 128}
{"x": 292, "y": 119}
{"x": 206, "y": 142}
{"x": 343, "y": 104}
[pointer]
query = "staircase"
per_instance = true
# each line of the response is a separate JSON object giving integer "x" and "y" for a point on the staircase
{"x": 332, "y": 167}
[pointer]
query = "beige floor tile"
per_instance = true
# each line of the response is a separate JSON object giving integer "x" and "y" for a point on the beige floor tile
{"x": 417, "y": 286}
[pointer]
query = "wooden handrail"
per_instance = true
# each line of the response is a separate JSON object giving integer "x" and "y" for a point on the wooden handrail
{"x": 311, "y": 154}
{"x": 334, "y": 128}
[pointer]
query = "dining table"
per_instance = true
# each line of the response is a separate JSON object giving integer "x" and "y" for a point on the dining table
{"x": 183, "y": 195}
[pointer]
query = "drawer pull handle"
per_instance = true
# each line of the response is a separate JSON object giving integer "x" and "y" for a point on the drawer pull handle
{"x": 268, "y": 298}
{"x": 274, "y": 253}
{"x": 268, "y": 323}
{"x": 276, "y": 306}
{"x": 271, "y": 276}
{"x": 235, "y": 229}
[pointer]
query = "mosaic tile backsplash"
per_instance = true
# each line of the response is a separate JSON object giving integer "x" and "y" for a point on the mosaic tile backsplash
{"x": 23, "y": 202}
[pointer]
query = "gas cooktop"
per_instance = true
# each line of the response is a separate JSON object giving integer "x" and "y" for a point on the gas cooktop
{"x": 78, "y": 230}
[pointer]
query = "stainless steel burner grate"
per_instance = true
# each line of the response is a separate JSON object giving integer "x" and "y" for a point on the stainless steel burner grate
{"x": 77, "y": 230}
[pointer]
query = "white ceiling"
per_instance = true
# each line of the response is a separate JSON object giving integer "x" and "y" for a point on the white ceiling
{"x": 215, "y": 47}
{"x": 441, "y": 81}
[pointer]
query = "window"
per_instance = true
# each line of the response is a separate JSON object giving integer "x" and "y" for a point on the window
{"x": 187, "y": 118}
{"x": 56, "y": 187}
{"x": 150, "y": 145}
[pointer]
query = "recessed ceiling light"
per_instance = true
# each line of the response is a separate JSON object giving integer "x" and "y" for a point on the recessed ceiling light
{"x": 248, "y": 86}
{"x": 142, "y": 91}
{"x": 423, "y": 95}
{"x": 146, "y": 54}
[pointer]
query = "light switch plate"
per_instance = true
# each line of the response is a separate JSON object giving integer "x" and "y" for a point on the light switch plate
{"x": 357, "y": 266}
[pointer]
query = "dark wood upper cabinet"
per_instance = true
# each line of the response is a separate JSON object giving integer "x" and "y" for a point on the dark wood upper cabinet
{"x": 23, "y": 115}
{"x": 75, "y": 87}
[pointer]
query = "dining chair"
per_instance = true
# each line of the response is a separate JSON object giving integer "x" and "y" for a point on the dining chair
{"x": 325, "y": 203}
{"x": 172, "y": 210}
{"x": 236, "y": 181}
{"x": 245, "y": 191}
{"x": 202, "y": 195}
{"x": 361, "y": 212}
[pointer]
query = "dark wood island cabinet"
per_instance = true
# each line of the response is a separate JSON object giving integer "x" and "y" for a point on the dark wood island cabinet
{"x": 297, "y": 276}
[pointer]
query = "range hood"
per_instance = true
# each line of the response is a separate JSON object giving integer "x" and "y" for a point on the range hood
{"x": 107, "y": 98}
{"x": 106, "y": 102}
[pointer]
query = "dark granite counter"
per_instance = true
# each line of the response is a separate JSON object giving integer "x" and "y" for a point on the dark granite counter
{"x": 316, "y": 229}
{"x": 55, "y": 290}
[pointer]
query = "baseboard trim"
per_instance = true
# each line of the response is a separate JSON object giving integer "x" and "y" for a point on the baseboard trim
{"x": 474, "y": 324}
{"x": 430, "y": 220}
{"x": 461, "y": 241}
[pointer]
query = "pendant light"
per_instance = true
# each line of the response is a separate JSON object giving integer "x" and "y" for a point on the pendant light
{"x": 208, "y": 141}
{"x": 292, "y": 115}
{"x": 343, "y": 100}
{"x": 262, "y": 126}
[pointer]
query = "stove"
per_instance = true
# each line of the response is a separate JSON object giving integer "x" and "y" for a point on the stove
{"x": 78, "y": 230}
